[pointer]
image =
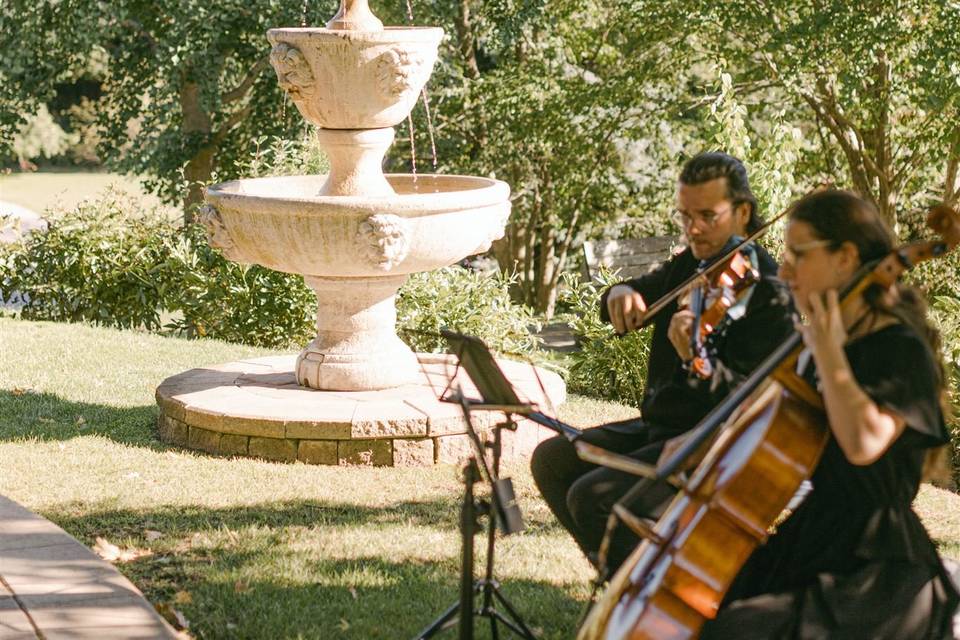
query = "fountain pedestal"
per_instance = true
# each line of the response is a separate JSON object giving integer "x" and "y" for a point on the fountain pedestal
{"x": 356, "y": 345}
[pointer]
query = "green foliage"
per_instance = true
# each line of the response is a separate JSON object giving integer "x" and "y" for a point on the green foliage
{"x": 186, "y": 84}
{"x": 770, "y": 155}
{"x": 877, "y": 87}
{"x": 217, "y": 298}
{"x": 39, "y": 136}
{"x": 945, "y": 314}
{"x": 467, "y": 302}
{"x": 98, "y": 263}
{"x": 606, "y": 366}
{"x": 111, "y": 262}
{"x": 274, "y": 156}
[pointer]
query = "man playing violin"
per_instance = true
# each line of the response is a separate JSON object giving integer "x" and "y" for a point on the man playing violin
{"x": 715, "y": 208}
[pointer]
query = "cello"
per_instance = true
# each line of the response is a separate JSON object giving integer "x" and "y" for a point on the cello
{"x": 773, "y": 432}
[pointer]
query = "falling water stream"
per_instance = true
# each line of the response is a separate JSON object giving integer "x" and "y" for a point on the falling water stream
{"x": 426, "y": 107}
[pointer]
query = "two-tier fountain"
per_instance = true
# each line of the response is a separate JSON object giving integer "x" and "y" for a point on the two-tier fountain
{"x": 356, "y": 393}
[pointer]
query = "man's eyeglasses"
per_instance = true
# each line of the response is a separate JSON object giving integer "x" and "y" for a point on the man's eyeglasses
{"x": 709, "y": 219}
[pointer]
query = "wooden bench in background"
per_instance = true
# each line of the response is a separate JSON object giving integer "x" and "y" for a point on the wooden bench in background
{"x": 633, "y": 256}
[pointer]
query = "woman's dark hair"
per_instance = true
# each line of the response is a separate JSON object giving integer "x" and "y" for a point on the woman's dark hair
{"x": 711, "y": 165}
{"x": 842, "y": 216}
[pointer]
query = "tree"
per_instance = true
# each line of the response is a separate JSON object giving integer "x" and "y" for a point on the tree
{"x": 547, "y": 96}
{"x": 187, "y": 85}
{"x": 879, "y": 80}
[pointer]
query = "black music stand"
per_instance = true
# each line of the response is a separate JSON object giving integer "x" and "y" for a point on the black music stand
{"x": 502, "y": 510}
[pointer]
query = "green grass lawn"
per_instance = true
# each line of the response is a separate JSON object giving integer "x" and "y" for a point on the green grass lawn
{"x": 251, "y": 549}
{"x": 41, "y": 190}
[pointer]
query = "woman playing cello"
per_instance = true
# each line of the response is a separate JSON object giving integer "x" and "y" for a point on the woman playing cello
{"x": 853, "y": 560}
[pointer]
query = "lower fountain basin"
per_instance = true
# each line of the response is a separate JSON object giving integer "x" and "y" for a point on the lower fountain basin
{"x": 431, "y": 222}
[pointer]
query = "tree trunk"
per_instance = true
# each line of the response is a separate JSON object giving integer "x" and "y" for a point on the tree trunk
{"x": 951, "y": 185}
{"x": 468, "y": 52}
{"x": 197, "y": 173}
{"x": 199, "y": 169}
{"x": 546, "y": 291}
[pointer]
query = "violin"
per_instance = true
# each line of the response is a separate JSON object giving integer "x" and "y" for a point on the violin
{"x": 727, "y": 289}
{"x": 774, "y": 430}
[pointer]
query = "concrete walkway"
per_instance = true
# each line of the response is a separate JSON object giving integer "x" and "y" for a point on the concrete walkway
{"x": 52, "y": 587}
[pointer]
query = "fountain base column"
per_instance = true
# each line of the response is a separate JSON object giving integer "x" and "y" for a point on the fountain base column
{"x": 356, "y": 348}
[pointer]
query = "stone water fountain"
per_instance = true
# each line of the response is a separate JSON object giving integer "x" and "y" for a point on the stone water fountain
{"x": 356, "y": 393}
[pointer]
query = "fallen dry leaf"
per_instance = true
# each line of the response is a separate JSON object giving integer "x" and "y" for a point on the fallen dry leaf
{"x": 183, "y": 597}
{"x": 81, "y": 421}
{"x": 112, "y": 553}
{"x": 240, "y": 586}
{"x": 19, "y": 391}
{"x": 353, "y": 592}
{"x": 172, "y": 615}
{"x": 344, "y": 625}
{"x": 152, "y": 535}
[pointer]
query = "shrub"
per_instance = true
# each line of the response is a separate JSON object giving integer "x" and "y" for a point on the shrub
{"x": 938, "y": 278}
{"x": 606, "y": 366}
{"x": 112, "y": 262}
{"x": 229, "y": 301}
{"x": 945, "y": 315}
{"x": 97, "y": 263}
{"x": 465, "y": 301}
{"x": 39, "y": 137}
{"x": 275, "y": 156}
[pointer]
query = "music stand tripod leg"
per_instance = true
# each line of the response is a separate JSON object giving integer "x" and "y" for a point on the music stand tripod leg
{"x": 489, "y": 587}
{"x": 468, "y": 522}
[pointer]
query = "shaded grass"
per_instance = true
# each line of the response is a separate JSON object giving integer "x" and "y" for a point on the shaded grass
{"x": 262, "y": 549}
{"x": 266, "y": 550}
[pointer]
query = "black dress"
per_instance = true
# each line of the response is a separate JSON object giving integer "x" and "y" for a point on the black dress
{"x": 854, "y": 560}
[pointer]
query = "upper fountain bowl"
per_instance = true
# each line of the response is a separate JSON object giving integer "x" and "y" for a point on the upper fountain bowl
{"x": 342, "y": 79}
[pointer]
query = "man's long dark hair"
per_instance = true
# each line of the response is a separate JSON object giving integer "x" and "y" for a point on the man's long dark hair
{"x": 711, "y": 165}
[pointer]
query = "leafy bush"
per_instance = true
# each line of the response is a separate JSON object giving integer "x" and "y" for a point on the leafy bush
{"x": 605, "y": 366}
{"x": 938, "y": 279}
{"x": 466, "y": 301}
{"x": 112, "y": 262}
{"x": 39, "y": 137}
{"x": 945, "y": 314}
{"x": 98, "y": 263}
{"x": 275, "y": 156}
{"x": 235, "y": 302}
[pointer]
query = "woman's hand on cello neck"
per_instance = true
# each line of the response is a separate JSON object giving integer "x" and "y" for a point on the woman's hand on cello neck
{"x": 825, "y": 330}
{"x": 626, "y": 307}
{"x": 863, "y": 430}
